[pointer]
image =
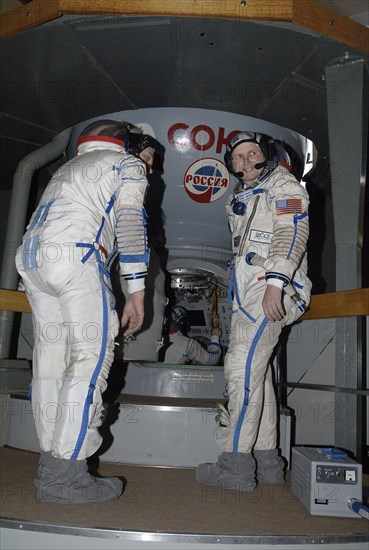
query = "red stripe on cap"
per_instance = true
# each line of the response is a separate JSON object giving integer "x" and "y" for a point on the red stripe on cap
{"x": 85, "y": 139}
{"x": 285, "y": 164}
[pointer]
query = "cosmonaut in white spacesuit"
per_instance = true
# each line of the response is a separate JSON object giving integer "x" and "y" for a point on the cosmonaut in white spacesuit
{"x": 268, "y": 216}
{"x": 182, "y": 349}
{"x": 91, "y": 209}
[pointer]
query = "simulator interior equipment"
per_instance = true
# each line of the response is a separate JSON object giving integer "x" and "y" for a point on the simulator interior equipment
{"x": 327, "y": 482}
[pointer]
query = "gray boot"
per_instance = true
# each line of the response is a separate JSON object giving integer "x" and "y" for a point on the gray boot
{"x": 232, "y": 471}
{"x": 65, "y": 481}
{"x": 269, "y": 466}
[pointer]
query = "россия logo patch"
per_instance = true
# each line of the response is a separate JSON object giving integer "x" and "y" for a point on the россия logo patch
{"x": 206, "y": 180}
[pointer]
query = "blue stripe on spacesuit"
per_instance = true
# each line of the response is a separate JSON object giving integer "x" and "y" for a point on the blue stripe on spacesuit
{"x": 214, "y": 353}
{"x": 25, "y": 253}
{"x": 230, "y": 286}
{"x": 92, "y": 385}
{"x": 214, "y": 344}
{"x": 133, "y": 276}
{"x": 31, "y": 244}
{"x": 36, "y": 217}
{"x": 30, "y": 247}
{"x": 93, "y": 250}
{"x": 133, "y": 259}
{"x": 40, "y": 215}
{"x": 245, "y": 403}
{"x": 89, "y": 253}
{"x": 94, "y": 377}
{"x": 110, "y": 203}
{"x": 91, "y": 247}
{"x": 45, "y": 213}
{"x": 239, "y": 303}
{"x": 98, "y": 235}
{"x": 295, "y": 220}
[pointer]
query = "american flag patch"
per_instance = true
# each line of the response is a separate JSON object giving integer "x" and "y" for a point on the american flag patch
{"x": 288, "y": 206}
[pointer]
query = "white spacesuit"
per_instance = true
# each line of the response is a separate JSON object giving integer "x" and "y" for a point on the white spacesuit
{"x": 184, "y": 350}
{"x": 92, "y": 206}
{"x": 268, "y": 216}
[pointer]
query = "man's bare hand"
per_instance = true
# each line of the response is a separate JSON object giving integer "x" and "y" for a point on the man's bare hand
{"x": 133, "y": 313}
{"x": 272, "y": 303}
{"x": 215, "y": 331}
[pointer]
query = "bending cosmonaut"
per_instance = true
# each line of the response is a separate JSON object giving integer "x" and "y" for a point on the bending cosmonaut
{"x": 183, "y": 349}
{"x": 268, "y": 216}
{"x": 91, "y": 209}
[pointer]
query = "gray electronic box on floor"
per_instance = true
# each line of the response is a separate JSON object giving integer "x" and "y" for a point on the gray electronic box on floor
{"x": 324, "y": 479}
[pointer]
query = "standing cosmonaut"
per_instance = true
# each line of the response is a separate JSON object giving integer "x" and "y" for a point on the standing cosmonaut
{"x": 268, "y": 218}
{"x": 92, "y": 208}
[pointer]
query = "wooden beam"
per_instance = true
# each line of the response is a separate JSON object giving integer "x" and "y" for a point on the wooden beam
{"x": 331, "y": 24}
{"x": 14, "y": 300}
{"x": 28, "y": 16}
{"x": 348, "y": 303}
{"x": 273, "y": 10}
{"x": 307, "y": 13}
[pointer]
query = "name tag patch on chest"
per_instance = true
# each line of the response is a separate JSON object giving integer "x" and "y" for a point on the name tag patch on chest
{"x": 260, "y": 236}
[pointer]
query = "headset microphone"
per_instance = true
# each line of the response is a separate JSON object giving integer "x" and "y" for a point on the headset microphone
{"x": 260, "y": 165}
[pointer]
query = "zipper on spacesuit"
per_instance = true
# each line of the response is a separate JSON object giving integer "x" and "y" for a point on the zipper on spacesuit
{"x": 242, "y": 244}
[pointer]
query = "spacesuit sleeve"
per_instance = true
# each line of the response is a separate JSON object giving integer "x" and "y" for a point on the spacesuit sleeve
{"x": 289, "y": 203}
{"x": 231, "y": 215}
{"x": 197, "y": 354}
{"x": 131, "y": 220}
